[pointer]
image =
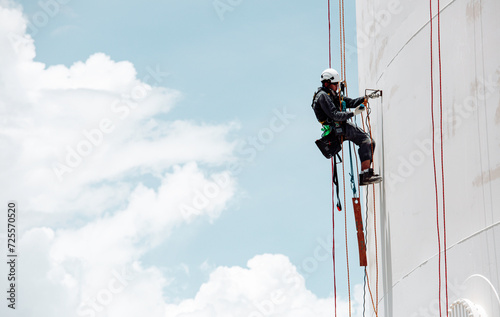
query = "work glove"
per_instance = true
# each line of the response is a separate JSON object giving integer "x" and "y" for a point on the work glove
{"x": 359, "y": 109}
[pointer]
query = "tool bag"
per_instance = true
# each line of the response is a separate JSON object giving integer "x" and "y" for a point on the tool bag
{"x": 330, "y": 142}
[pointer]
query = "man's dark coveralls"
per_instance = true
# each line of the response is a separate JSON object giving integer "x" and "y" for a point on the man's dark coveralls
{"x": 327, "y": 109}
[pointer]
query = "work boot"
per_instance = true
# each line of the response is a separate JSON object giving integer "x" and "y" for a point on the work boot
{"x": 367, "y": 177}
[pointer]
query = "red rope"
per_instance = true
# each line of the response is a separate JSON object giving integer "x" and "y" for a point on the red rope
{"x": 333, "y": 167}
{"x": 346, "y": 238}
{"x": 374, "y": 217}
{"x": 343, "y": 74}
{"x": 434, "y": 164}
{"x": 333, "y": 244}
{"x": 442, "y": 157}
{"x": 343, "y": 44}
{"x": 341, "y": 40}
{"x": 329, "y": 38}
{"x": 370, "y": 291}
{"x": 442, "y": 160}
{"x": 374, "y": 304}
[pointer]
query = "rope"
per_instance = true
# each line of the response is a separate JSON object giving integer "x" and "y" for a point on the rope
{"x": 343, "y": 46}
{"x": 346, "y": 239}
{"x": 333, "y": 244}
{"x": 353, "y": 185}
{"x": 341, "y": 95}
{"x": 333, "y": 173}
{"x": 342, "y": 40}
{"x": 442, "y": 158}
{"x": 434, "y": 162}
{"x": 375, "y": 306}
{"x": 374, "y": 211}
{"x": 364, "y": 294}
{"x": 329, "y": 38}
{"x": 366, "y": 271}
{"x": 371, "y": 294}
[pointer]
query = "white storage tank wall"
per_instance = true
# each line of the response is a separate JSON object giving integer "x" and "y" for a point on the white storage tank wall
{"x": 394, "y": 55}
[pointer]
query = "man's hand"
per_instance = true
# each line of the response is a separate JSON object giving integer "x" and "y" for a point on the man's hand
{"x": 359, "y": 109}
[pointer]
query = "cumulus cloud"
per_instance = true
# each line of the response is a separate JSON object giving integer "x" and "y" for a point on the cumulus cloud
{"x": 96, "y": 268}
{"x": 79, "y": 144}
{"x": 269, "y": 286}
{"x": 68, "y": 128}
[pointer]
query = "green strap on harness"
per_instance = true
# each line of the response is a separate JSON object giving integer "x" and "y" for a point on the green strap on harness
{"x": 327, "y": 129}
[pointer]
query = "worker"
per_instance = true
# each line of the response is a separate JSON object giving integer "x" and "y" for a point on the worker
{"x": 328, "y": 107}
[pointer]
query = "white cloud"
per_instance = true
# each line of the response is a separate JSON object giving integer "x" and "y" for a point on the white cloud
{"x": 77, "y": 142}
{"x": 66, "y": 131}
{"x": 270, "y": 286}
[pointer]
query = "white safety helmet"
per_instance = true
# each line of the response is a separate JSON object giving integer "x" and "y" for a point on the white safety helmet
{"x": 330, "y": 75}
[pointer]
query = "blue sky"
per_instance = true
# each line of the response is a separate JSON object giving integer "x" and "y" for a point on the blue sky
{"x": 242, "y": 82}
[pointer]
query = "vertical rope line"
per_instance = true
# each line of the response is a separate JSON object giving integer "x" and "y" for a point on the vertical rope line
{"x": 343, "y": 43}
{"x": 346, "y": 239}
{"x": 365, "y": 231}
{"x": 329, "y": 38}
{"x": 368, "y": 121}
{"x": 333, "y": 167}
{"x": 434, "y": 156}
{"x": 366, "y": 270}
{"x": 442, "y": 157}
{"x": 340, "y": 38}
{"x": 333, "y": 242}
{"x": 343, "y": 72}
{"x": 375, "y": 306}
